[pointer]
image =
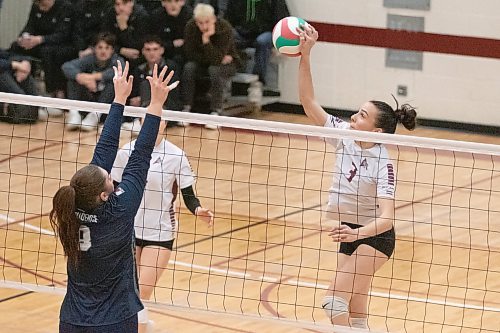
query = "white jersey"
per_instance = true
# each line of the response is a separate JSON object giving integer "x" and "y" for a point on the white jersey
{"x": 359, "y": 178}
{"x": 169, "y": 169}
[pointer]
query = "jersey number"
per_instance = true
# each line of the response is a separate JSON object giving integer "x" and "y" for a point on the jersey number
{"x": 85, "y": 242}
{"x": 352, "y": 173}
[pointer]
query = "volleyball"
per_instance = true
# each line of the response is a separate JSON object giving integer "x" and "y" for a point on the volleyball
{"x": 285, "y": 36}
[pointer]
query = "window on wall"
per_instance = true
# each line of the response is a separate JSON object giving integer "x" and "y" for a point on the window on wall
{"x": 399, "y": 58}
{"x": 408, "y": 4}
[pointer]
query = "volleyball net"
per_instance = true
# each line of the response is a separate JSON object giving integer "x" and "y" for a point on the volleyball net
{"x": 269, "y": 254}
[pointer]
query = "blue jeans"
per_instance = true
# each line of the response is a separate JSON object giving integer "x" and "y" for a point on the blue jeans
{"x": 263, "y": 45}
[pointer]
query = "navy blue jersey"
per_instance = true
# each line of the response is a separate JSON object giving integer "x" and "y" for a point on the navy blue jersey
{"x": 103, "y": 288}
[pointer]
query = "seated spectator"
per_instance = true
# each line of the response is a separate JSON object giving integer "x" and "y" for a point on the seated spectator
{"x": 128, "y": 21}
{"x": 91, "y": 79}
{"x": 253, "y": 24}
{"x": 210, "y": 50}
{"x": 15, "y": 78}
{"x": 47, "y": 35}
{"x": 219, "y": 5}
{"x": 89, "y": 15}
{"x": 169, "y": 23}
{"x": 152, "y": 52}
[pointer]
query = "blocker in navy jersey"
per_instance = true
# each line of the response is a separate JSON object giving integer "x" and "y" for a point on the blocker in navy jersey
{"x": 103, "y": 288}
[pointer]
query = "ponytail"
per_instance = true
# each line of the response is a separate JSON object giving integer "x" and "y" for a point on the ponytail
{"x": 407, "y": 116}
{"x": 65, "y": 224}
{"x": 388, "y": 118}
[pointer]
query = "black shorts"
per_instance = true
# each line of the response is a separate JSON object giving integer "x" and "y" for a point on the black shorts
{"x": 143, "y": 243}
{"x": 383, "y": 242}
{"x": 127, "y": 326}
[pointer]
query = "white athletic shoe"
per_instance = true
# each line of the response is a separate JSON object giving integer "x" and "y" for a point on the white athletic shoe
{"x": 210, "y": 126}
{"x": 43, "y": 114}
{"x": 54, "y": 112}
{"x": 132, "y": 126}
{"x": 73, "y": 120}
{"x": 90, "y": 122}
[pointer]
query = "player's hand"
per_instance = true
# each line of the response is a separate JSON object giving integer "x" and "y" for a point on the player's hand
{"x": 160, "y": 88}
{"x": 206, "y": 215}
{"x": 308, "y": 37}
{"x": 123, "y": 86}
{"x": 344, "y": 233}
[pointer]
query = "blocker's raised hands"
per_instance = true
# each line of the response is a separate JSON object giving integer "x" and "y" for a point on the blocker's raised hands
{"x": 160, "y": 88}
{"x": 123, "y": 85}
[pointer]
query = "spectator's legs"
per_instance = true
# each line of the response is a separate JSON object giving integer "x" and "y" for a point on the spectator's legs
{"x": 189, "y": 76}
{"x": 263, "y": 46}
{"x": 9, "y": 84}
{"x": 107, "y": 94}
{"x": 219, "y": 75}
{"x": 174, "y": 101}
{"x": 53, "y": 56}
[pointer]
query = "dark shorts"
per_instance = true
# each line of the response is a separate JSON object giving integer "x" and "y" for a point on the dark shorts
{"x": 383, "y": 242}
{"x": 127, "y": 326}
{"x": 143, "y": 243}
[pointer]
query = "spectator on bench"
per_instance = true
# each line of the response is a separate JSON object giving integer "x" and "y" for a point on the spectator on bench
{"x": 91, "y": 79}
{"x": 15, "y": 78}
{"x": 128, "y": 21}
{"x": 169, "y": 23}
{"x": 87, "y": 23}
{"x": 152, "y": 52}
{"x": 210, "y": 50}
{"x": 253, "y": 23}
{"x": 47, "y": 35}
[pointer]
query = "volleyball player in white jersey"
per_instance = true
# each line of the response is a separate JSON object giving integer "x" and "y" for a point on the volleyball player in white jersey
{"x": 361, "y": 197}
{"x": 155, "y": 222}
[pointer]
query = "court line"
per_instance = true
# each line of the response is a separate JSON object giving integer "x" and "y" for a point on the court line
{"x": 372, "y": 293}
{"x": 15, "y": 296}
{"x": 11, "y": 221}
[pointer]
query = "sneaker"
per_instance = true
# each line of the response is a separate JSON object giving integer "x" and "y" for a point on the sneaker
{"x": 211, "y": 126}
{"x": 90, "y": 122}
{"x": 43, "y": 114}
{"x": 54, "y": 112}
{"x": 73, "y": 119}
{"x": 132, "y": 126}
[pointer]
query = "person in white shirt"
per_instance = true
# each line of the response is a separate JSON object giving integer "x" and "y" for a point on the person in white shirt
{"x": 155, "y": 222}
{"x": 361, "y": 196}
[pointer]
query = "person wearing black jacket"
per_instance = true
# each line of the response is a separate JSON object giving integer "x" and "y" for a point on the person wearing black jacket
{"x": 128, "y": 21}
{"x": 169, "y": 23}
{"x": 89, "y": 15}
{"x": 153, "y": 52}
{"x": 15, "y": 75}
{"x": 47, "y": 35}
{"x": 15, "y": 78}
{"x": 95, "y": 221}
{"x": 253, "y": 22}
{"x": 90, "y": 78}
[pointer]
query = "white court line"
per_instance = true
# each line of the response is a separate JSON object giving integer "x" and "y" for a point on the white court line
{"x": 10, "y": 220}
{"x": 324, "y": 286}
{"x": 211, "y": 269}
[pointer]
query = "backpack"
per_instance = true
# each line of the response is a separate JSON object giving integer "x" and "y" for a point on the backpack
{"x": 19, "y": 114}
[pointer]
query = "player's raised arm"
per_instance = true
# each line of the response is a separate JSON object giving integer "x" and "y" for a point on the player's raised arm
{"x": 135, "y": 173}
{"x": 308, "y": 37}
{"x": 106, "y": 148}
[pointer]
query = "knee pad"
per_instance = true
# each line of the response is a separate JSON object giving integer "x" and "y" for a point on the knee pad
{"x": 358, "y": 322}
{"x": 335, "y": 306}
{"x": 142, "y": 316}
